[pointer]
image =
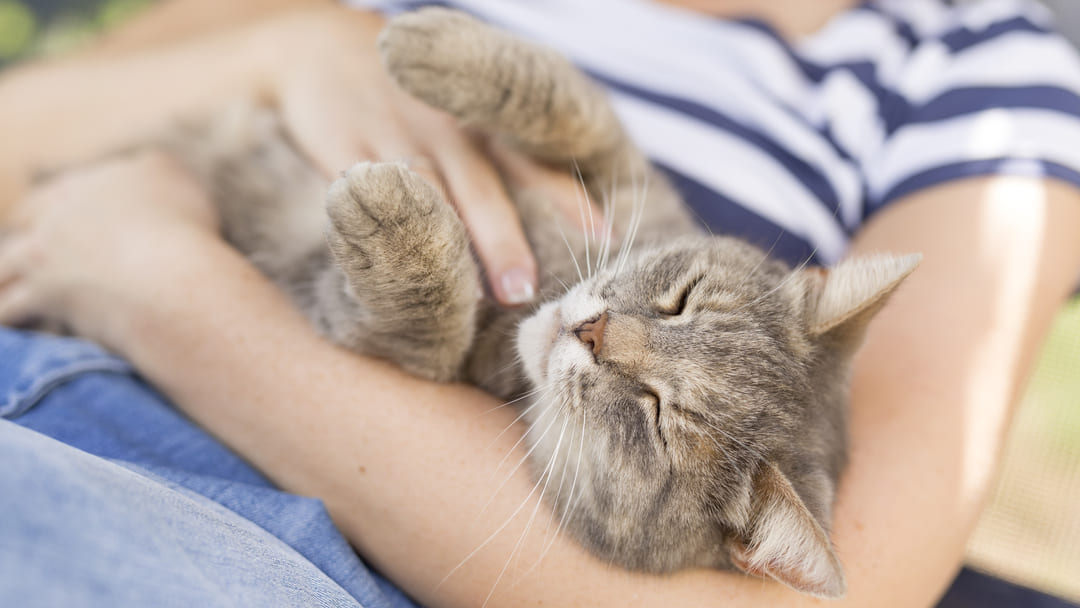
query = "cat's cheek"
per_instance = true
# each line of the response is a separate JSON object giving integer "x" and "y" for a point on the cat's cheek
{"x": 535, "y": 339}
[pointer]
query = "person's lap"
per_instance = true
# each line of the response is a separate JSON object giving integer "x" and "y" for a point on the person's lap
{"x": 109, "y": 497}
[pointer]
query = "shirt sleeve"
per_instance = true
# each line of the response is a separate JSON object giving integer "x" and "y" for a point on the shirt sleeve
{"x": 992, "y": 92}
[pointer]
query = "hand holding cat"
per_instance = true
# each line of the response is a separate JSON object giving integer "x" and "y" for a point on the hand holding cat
{"x": 320, "y": 68}
{"x": 86, "y": 247}
{"x": 340, "y": 106}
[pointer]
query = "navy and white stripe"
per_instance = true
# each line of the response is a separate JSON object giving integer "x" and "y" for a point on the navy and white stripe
{"x": 794, "y": 145}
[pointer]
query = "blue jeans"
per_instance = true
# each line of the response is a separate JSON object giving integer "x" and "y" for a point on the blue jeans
{"x": 109, "y": 497}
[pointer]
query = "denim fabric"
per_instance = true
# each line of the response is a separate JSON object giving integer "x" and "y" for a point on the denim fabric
{"x": 109, "y": 497}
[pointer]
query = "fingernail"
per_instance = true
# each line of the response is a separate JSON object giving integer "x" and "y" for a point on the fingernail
{"x": 517, "y": 286}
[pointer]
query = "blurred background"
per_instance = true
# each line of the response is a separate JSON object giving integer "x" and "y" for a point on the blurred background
{"x": 1030, "y": 531}
{"x": 44, "y": 27}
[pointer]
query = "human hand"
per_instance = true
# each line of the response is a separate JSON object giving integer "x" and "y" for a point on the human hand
{"x": 84, "y": 248}
{"x": 341, "y": 106}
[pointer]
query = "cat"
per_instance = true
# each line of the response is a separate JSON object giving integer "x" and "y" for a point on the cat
{"x": 685, "y": 394}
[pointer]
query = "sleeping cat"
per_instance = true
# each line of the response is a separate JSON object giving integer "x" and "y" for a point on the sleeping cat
{"x": 686, "y": 396}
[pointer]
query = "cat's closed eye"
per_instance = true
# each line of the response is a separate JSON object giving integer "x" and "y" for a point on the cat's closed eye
{"x": 679, "y": 305}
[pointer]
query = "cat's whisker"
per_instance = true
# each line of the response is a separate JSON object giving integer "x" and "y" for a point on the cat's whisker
{"x": 642, "y": 201}
{"x": 635, "y": 222}
{"x": 519, "y": 416}
{"x": 573, "y": 256}
{"x": 768, "y": 254}
{"x": 626, "y": 235}
{"x": 525, "y": 395}
{"x": 790, "y": 277}
{"x": 592, "y": 220}
{"x": 581, "y": 211}
{"x": 562, "y": 476}
{"x": 609, "y": 220}
{"x": 509, "y": 333}
{"x": 491, "y": 499}
{"x": 531, "y": 428}
{"x": 545, "y": 477}
{"x": 524, "y": 458}
{"x": 488, "y": 540}
{"x": 514, "y": 362}
{"x": 640, "y": 197}
{"x": 560, "y": 281}
{"x": 571, "y": 506}
{"x": 750, "y": 275}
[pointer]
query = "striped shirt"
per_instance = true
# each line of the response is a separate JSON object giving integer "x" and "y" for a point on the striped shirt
{"x": 793, "y": 145}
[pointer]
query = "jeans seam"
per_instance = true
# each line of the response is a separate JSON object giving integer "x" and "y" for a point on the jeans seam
{"x": 20, "y": 401}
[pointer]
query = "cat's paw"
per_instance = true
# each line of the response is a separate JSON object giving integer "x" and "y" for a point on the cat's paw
{"x": 383, "y": 214}
{"x": 376, "y": 210}
{"x": 407, "y": 274}
{"x": 376, "y": 197}
{"x": 442, "y": 57}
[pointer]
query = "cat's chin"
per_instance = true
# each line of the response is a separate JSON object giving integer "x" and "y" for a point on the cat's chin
{"x": 536, "y": 338}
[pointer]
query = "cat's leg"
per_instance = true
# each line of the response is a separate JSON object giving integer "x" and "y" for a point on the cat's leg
{"x": 491, "y": 80}
{"x": 404, "y": 286}
{"x": 536, "y": 100}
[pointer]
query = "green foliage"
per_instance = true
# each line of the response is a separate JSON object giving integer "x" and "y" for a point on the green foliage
{"x": 1056, "y": 384}
{"x": 114, "y": 12}
{"x": 22, "y": 36}
{"x": 17, "y": 28}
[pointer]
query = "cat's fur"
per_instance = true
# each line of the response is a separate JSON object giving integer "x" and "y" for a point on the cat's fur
{"x": 692, "y": 393}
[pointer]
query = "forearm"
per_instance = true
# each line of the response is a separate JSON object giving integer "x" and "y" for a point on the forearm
{"x": 63, "y": 112}
{"x": 406, "y": 469}
{"x": 70, "y": 110}
{"x": 939, "y": 377}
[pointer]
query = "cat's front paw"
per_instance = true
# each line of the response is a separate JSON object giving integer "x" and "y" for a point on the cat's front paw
{"x": 409, "y": 280}
{"x": 442, "y": 57}
{"x": 377, "y": 211}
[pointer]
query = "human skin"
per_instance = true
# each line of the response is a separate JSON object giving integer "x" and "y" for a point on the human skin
{"x": 407, "y": 468}
{"x": 329, "y": 88}
{"x": 932, "y": 395}
{"x": 185, "y": 57}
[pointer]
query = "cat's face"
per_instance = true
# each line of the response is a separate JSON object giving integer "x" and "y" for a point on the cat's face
{"x": 679, "y": 368}
{"x": 666, "y": 387}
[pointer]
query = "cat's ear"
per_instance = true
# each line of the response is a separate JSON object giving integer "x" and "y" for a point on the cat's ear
{"x": 844, "y": 298}
{"x": 785, "y": 543}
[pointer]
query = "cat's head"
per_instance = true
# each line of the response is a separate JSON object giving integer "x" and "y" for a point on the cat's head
{"x": 691, "y": 406}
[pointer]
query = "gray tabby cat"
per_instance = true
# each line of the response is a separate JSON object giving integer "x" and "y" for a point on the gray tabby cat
{"x": 686, "y": 399}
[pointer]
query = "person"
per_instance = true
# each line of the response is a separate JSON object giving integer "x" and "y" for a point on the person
{"x": 823, "y": 130}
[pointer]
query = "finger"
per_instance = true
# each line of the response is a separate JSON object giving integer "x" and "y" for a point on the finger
{"x": 9, "y": 252}
{"x": 565, "y": 190}
{"x": 16, "y": 305}
{"x": 389, "y": 145}
{"x": 325, "y": 136}
{"x": 491, "y": 219}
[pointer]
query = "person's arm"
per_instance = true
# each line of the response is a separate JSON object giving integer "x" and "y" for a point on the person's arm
{"x": 407, "y": 468}
{"x": 72, "y": 109}
{"x": 44, "y": 105}
{"x": 316, "y": 64}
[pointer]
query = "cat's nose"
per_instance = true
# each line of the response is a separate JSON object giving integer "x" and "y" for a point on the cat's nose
{"x": 591, "y": 333}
